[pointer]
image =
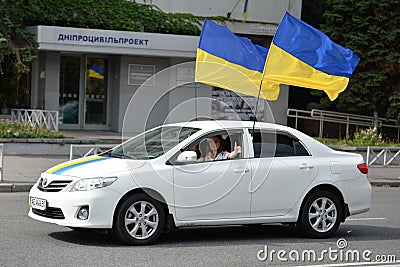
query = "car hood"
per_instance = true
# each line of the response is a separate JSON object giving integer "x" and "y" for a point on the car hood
{"x": 95, "y": 166}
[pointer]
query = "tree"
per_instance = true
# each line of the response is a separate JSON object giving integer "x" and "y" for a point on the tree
{"x": 17, "y": 45}
{"x": 371, "y": 28}
{"x": 312, "y": 11}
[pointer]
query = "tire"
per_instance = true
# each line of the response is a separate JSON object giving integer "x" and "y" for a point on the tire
{"x": 320, "y": 215}
{"x": 140, "y": 220}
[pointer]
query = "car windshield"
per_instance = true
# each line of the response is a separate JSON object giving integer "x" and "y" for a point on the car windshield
{"x": 153, "y": 143}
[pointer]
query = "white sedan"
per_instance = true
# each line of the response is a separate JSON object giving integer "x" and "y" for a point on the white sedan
{"x": 205, "y": 173}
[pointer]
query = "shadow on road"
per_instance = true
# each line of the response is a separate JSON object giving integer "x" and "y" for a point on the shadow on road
{"x": 234, "y": 235}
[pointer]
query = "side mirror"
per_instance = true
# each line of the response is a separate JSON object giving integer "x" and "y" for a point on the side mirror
{"x": 187, "y": 157}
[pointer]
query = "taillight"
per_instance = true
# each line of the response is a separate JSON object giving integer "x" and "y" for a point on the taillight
{"x": 363, "y": 168}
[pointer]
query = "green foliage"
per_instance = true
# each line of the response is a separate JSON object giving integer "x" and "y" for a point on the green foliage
{"x": 366, "y": 137}
{"x": 14, "y": 129}
{"x": 110, "y": 15}
{"x": 371, "y": 29}
{"x": 17, "y": 46}
{"x": 311, "y": 12}
{"x": 363, "y": 137}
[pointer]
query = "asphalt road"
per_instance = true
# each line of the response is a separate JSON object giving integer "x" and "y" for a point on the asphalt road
{"x": 25, "y": 242}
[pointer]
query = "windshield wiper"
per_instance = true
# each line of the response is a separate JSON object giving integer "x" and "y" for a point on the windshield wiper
{"x": 112, "y": 154}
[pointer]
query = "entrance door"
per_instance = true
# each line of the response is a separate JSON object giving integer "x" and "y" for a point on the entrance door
{"x": 69, "y": 94}
{"x": 83, "y": 92}
{"x": 96, "y": 92}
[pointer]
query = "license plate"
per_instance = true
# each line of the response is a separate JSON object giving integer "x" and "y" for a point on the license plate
{"x": 37, "y": 203}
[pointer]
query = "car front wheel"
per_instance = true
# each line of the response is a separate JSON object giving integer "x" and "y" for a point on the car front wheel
{"x": 320, "y": 215}
{"x": 140, "y": 220}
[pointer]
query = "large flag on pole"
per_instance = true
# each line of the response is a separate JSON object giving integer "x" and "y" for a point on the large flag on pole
{"x": 301, "y": 55}
{"x": 232, "y": 62}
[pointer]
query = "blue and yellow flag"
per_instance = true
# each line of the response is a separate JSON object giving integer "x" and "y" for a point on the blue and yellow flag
{"x": 232, "y": 62}
{"x": 96, "y": 71}
{"x": 245, "y": 9}
{"x": 301, "y": 55}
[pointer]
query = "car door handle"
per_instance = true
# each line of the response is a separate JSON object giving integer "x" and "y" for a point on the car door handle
{"x": 304, "y": 166}
{"x": 241, "y": 170}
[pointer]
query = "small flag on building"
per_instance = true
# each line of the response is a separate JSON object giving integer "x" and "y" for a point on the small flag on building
{"x": 96, "y": 71}
{"x": 245, "y": 9}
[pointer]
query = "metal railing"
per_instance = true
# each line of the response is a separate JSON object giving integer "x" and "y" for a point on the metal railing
{"x": 87, "y": 150}
{"x": 323, "y": 116}
{"x": 47, "y": 119}
{"x": 383, "y": 156}
{"x": 1, "y": 161}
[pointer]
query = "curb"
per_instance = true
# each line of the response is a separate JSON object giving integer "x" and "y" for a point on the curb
{"x": 25, "y": 187}
{"x": 15, "y": 187}
{"x": 385, "y": 183}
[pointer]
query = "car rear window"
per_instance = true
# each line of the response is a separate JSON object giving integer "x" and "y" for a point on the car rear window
{"x": 276, "y": 144}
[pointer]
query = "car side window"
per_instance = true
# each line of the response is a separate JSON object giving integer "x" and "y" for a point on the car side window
{"x": 275, "y": 144}
{"x": 217, "y": 146}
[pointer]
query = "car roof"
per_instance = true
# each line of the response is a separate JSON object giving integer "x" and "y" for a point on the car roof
{"x": 225, "y": 124}
{"x": 212, "y": 125}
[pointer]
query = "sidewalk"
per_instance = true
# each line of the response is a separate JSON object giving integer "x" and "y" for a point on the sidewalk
{"x": 21, "y": 172}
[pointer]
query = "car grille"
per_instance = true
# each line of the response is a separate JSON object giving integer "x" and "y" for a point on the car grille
{"x": 54, "y": 186}
{"x": 52, "y": 213}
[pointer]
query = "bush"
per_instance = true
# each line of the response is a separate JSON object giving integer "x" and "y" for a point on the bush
{"x": 15, "y": 129}
{"x": 363, "y": 137}
{"x": 366, "y": 137}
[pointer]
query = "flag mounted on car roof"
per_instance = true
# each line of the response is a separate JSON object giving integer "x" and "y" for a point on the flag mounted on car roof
{"x": 301, "y": 55}
{"x": 232, "y": 62}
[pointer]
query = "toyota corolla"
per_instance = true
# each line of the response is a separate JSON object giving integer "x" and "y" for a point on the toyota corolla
{"x": 205, "y": 173}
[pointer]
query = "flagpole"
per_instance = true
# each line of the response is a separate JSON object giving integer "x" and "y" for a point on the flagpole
{"x": 195, "y": 100}
{"x": 255, "y": 112}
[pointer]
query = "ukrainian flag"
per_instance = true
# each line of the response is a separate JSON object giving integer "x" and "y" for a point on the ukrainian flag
{"x": 245, "y": 9}
{"x": 232, "y": 62}
{"x": 301, "y": 55}
{"x": 96, "y": 71}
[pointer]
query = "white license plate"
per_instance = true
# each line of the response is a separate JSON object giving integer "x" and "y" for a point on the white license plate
{"x": 37, "y": 203}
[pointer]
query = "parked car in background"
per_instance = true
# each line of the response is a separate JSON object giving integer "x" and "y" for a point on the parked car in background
{"x": 160, "y": 179}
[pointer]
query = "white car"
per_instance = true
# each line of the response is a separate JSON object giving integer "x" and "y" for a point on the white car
{"x": 162, "y": 179}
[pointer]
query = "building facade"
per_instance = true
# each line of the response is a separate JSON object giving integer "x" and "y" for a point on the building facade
{"x": 93, "y": 77}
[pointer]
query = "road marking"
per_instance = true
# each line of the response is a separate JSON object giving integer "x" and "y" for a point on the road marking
{"x": 355, "y": 264}
{"x": 365, "y": 219}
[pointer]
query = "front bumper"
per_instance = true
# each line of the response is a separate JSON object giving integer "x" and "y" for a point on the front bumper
{"x": 62, "y": 207}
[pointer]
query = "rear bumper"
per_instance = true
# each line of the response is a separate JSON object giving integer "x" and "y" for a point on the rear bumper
{"x": 357, "y": 195}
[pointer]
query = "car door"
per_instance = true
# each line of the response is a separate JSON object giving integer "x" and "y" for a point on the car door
{"x": 211, "y": 190}
{"x": 282, "y": 168}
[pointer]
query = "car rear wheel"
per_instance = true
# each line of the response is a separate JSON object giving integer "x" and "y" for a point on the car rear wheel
{"x": 320, "y": 215}
{"x": 140, "y": 220}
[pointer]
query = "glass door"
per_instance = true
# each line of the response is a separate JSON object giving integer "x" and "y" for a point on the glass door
{"x": 70, "y": 71}
{"x": 96, "y": 91}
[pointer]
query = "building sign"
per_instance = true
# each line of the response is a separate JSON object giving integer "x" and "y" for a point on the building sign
{"x": 262, "y": 29}
{"x": 138, "y": 74}
{"x": 67, "y": 39}
{"x": 101, "y": 39}
{"x": 228, "y": 105}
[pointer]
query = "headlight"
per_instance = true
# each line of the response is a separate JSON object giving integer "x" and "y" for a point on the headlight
{"x": 92, "y": 183}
